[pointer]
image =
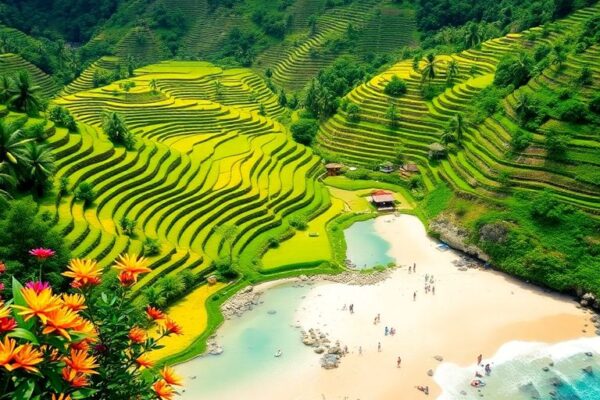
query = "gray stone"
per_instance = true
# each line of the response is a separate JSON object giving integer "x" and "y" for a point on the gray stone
{"x": 430, "y": 372}
{"x": 439, "y": 358}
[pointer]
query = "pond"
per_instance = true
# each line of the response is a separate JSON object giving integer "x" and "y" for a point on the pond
{"x": 365, "y": 247}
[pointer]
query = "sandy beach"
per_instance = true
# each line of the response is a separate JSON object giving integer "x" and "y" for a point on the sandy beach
{"x": 472, "y": 312}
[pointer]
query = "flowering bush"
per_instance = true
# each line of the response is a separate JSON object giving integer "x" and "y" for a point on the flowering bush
{"x": 88, "y": 344}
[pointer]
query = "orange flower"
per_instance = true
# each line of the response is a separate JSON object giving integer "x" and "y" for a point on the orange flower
{"x": 39, "y": 304}
{"x": 7, "y": 351}
{"x": 80, "y": 362}
{"x": 7, "y": 324}
{"x": 84, "y": 272}
{"x": 4, "y": 310}
{"x": 137, "y": 335}
{"x": 26, "y": 357}
{"x": 154, "y": 313}
{"x": 2, "y": 267}
{"x": 82, "y": 346}
{"x": 131, "y": 267}
{"x": 163, "y": 390}
{"x": 60, "y": 320}
{"x": 61, "y": 396}
{"x": 87, "y": 328}
{"x": 74, "y": 302}
{"x": 75, "y": 379}
{"x": 169, "y": 326}
{"x": 171, "y": 377}
{"x": 143, "y": 361}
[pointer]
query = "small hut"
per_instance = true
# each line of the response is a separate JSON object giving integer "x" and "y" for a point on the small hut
{"x": 436, "y": 151}
{"x": 333, "y": 169}
{"x": 383, "y": 200}
{"x": 409, "y": 169}
{"x": 387, "y": 167}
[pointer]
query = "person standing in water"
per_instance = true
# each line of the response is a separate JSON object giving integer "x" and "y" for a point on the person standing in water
{"x": 379, "y": 346}
{"x": 479, "y": 357}
{"x": 415, "y": 296}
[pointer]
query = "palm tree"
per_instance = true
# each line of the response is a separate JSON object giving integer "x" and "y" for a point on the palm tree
{"x": 153, "y": 85}
{"x": 12, "y": 147}
{"x": 447, "y": 136}
{"x": 24, "y": 96}
{"x": 114, "y": 126}
{"x": 39, "y": 164}
{"x": 6, "y": 182}
{"x": 428, "y": 73}
{"x": 473, "y": 36}
{"x": 452, "y": 71}
{"x": 5, "y": 87}
{"x": 458, "y": 127}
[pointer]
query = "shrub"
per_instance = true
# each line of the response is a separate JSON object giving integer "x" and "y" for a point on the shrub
{"x": 545, "y": 208}
{"x": 226, "y": 267}
{"x": 585, "y": 76}
{"x": 86, "y": 344}
{"x": 299, "y": 223}
{"x": 513, "y": 70}
{"x": 85, "y": 192}
{"x": 64, "y": 186}
{"x": 521, "y": 139}
{"x": 395, "y": 87}
{"x": 273, "y": 243}
{"x": 595, "y": 104}
{"x": 304, "y": 131}
{"x": 556, "y": 144}
{"x": 127, "y": 225}
{"x": 353, "y": 112}
{"x": 151, "y": 247}
{"x": 572, "y": 111}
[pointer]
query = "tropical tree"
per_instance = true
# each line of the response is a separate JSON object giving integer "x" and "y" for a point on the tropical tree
{"x": 24, "y": 95}
{"x": 447, "y": 136}
{"x": 559, "y": 55}
{"x": 5, "y": 88}
{"x": 392, "y": 115}
{"x": 154, "y": 85}
{"x": 457, "y": 126}
{"x": 7, "y": 182}
{"x": 452, "y": 71}
{"x": 12, "y": 147}
{"x": 39, "y": 166}
{"x": 473, "y": 35}
{"x": 428, "y": 73}
{"x": 115, "y": 128}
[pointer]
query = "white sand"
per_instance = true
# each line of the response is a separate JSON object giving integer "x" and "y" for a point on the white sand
{"x": 472, "y": 312}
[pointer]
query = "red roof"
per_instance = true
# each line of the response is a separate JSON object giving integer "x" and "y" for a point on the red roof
{"x": 382, "y": 198}
{"x": 380, "y": 192}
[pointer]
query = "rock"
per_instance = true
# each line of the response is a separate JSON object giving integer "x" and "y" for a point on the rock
{"x": 463, "y": 393}
{"x": 463, "y": 269}
{"x": 303, "y": 278}
{"x": 589, "y": 354}
{"x": 456, "y": 237}
{"x": 330, "y": 361}
{"x": 545, "y": 369}
{"x": 271, "y": 312}
{"x": 588, "y": 370}
{"x": 439, "y": 358}
{"x": 594, "y": 318}
{"x": 319, "y": 350}
{"x": 584, "y": 303}
{"x": 589, "y": 297}
{"x": 430, "y": 372}
{"x": 247, "y": 289}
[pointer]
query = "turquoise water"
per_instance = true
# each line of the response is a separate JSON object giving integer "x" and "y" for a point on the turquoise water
{"x": 365, "y": 248}
{"x": 525, "y": 372}
{"x": 249, "y": 344}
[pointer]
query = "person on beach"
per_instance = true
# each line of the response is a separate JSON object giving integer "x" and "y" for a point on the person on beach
{"x": 344, "y": 308}
{"x": 415, "y": 296}
{"x": 433, "y": 290}
{"x": 386, "y": 331}
{"x": 379, "y": 347}
{"x": 378, "y": 318}
{"x": 360, "y": 350}
{"x": 479, "y": 357}
{"x": 398, "y": 362}
{"x": 351, "y": 308}
{"x": 392, "y": 331}
{"x": 415, "y": 267}
{"x": 488, "y": 369}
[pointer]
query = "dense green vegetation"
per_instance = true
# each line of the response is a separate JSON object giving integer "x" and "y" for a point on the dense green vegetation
{"x": 127, "y": 142}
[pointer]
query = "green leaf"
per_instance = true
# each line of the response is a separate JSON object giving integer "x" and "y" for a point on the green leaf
{"x": 25, "y": 389}
{"x": 24, "y": 334}
{"x": 20, "y": 301}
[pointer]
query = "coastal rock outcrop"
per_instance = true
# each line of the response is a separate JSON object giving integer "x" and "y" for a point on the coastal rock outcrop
{"x": 456, "y": 237}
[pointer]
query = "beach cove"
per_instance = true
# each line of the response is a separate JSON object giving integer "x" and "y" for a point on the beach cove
{"x": 472, "y": 312}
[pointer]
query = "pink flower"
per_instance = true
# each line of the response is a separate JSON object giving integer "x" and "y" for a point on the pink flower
{"x": 37, "y": 286}
{"x": 1, "y": 286}
{"x": 41, "y": 253}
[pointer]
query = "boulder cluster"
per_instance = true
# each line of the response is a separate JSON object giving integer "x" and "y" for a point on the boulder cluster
{"x": 332, "y": 352}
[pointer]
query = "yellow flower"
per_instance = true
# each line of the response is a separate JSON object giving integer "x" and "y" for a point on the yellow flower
{"x": 26, "y": 357}
{"x": 40, "y": 304}
{"x": 171, "y": 377}
{"x": 74, "y": 302}
{"x": 131, "y": 267}
{"x": 60, "y": 320}
{"x": 81, "y": 362}
{"x": 7, "y": 351}
{"x": 84, "y": 272}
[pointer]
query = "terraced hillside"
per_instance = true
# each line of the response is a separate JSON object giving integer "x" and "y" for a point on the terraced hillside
{"x": 141, "y": 44}
{"x": 103, "y": 66}
{"x": 11, "y": 64}
{"x": 205, "y": 158}
{"x": 380, "y": 26}
{"x": 482, "y": 166}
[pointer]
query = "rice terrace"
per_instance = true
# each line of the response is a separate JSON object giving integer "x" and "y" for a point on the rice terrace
{"x": 300, "y": 199}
